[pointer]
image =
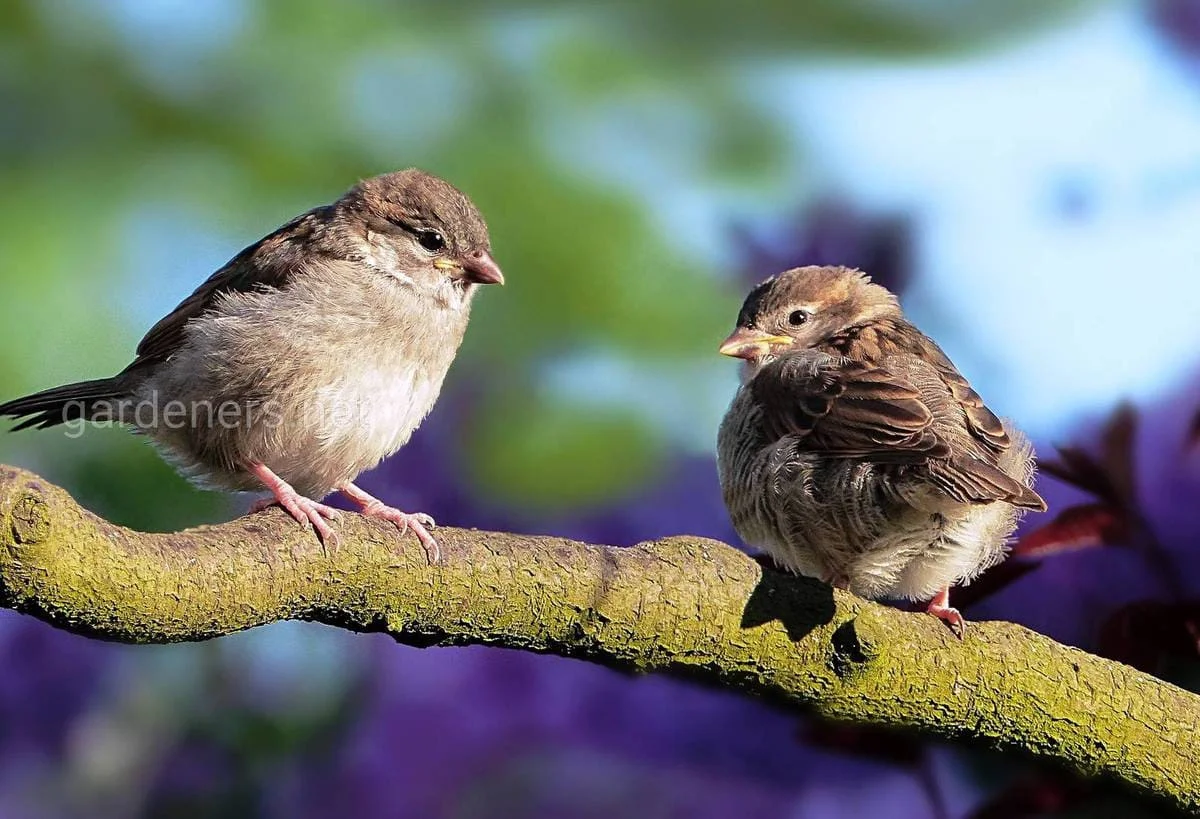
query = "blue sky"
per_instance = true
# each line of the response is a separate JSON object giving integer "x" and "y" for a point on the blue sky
{"x": 1055, "y": 185}
{"x": 1057, "y": 189}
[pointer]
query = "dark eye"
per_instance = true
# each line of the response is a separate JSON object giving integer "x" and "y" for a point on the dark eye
{"x": 431, "y": 240}
{"x": 797, "y": 317}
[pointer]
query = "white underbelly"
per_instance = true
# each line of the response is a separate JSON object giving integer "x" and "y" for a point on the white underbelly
{"x": 347, "y": 427}
{"x": 370, "y": 416}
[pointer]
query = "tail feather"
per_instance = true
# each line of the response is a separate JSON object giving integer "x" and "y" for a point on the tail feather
{"x": 86, "y": 400}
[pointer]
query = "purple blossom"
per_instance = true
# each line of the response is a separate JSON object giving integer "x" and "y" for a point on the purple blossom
{"x": 1178, "y": 22}
{"x": 833, "y": 232}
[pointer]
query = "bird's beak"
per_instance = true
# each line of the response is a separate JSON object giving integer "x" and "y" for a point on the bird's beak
{"x": 480, "y": 267}
{"x": 748, "y": 343}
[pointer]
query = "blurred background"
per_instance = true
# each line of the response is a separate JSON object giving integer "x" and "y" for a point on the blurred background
{"x": 1026, "y": 174}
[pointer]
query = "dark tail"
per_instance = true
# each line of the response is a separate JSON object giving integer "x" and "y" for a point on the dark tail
{"x": 87, "y": 400}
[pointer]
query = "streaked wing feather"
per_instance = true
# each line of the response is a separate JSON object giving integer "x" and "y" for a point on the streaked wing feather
{"x": 969, "y": 480}
{"x": 846, "y": 410}
{"x": 983, "y": 424}
{"x": 248, "y": 270}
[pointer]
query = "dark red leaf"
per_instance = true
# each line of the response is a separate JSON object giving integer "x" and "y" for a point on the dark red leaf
{"x": 999, "y": 577}
{"x": 1111, "y": 476}
{"x": 1041, "y": 796}
{"x": 1117, "y": 442}
{"x": 1076, "y": 527}
{"x": 1141, "y": 634}
{"x": 875, "y": 743}
{"x": 1078, "y": 468}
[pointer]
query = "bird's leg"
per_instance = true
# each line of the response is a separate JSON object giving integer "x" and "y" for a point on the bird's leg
{"x": 304, "y": 510}
{"x": 419, "y": 522}
{"x": 940, "y": 608}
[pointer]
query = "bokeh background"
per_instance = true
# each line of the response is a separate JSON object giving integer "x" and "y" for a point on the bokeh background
{"x": 1026, "y": 174}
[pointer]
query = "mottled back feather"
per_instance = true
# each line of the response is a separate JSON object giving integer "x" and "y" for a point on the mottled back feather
{"x": 855, "y": 451}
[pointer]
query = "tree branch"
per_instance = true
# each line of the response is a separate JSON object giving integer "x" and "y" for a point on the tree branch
{"x": 684, "y": 605}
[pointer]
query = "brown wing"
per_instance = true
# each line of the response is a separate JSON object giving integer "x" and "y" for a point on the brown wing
{"x": 860, "y": 410}
{"x": 970, "y": 480}
{"x": 981, "y": 421}
{"x": 972, "y": 474}
{"x": 846, "y": 410}
{"x": 269, "y": 262}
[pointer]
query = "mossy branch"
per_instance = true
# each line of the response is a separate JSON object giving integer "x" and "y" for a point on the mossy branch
{"x": 683, "y": 605}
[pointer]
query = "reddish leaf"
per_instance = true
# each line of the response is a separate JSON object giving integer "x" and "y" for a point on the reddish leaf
{"x": 1076, "y": 527}
{"x": 1193, "y": 436}
{"x": 999, "y": 577}
{"x": 1141, "y": 634}
{"x": 875, "y": 743}
{"x": 1078, "y": 468}
{"x": 1117, "y": 442}
{"x": 1110, "y": 476}
{"x": 1041, "y": 796}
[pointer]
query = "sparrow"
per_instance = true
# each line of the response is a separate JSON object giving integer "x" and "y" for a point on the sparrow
{"x": 856, "y": 453}
{"x": 309, "y": 357}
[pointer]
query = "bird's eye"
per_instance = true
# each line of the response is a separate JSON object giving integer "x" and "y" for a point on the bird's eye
{"x": 797, "y": 317}
{"x": 431, "y": 240}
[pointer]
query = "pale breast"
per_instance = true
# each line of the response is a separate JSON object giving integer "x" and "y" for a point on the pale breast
{"x": 371, "y": 412}
{"x": 332, "y": 374}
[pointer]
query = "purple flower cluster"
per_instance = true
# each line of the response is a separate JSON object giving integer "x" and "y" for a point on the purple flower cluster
{"x": 48, "y": 681}
{"x": 479, "y": 732}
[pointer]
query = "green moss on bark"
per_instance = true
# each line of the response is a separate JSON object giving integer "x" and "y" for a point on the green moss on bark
{"x": 683, "y": 605}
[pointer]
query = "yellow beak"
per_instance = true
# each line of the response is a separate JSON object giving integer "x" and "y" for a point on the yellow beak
{"x": 478, "y": 267}
{"x": 747, "y": 343}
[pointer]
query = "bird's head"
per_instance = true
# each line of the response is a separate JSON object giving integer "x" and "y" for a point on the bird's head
{"x": 424, "y": 232}
{"x": 803, "y": 308}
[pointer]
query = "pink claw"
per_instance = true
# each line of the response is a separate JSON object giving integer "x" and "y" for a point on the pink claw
{"x": 419, "y": 522}
{"x": 304, "y": 510}
{"x": 940, "y": 608}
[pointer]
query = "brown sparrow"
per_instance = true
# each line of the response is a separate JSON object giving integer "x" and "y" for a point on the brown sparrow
{"x": 856, "y": 453}
{"x": 309, "y": 357}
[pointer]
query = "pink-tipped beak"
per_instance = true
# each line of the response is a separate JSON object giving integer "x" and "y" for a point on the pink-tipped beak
{"x": 748, "y": 343}
{"x": 482, "y": 268}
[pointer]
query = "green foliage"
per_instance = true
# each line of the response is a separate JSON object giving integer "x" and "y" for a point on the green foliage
{"x": 558, "y": 454}
{"x": 557, "y": 117}
{"x": 136, "y": 141}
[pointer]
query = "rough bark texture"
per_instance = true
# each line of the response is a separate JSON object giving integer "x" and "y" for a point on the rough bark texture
{"x": 684, "y": 605}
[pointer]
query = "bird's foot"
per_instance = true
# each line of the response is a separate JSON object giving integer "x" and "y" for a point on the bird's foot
{"x": 419, "y": 522}
{"x": 304, "y": 510}
{"x": 940, "y": 608}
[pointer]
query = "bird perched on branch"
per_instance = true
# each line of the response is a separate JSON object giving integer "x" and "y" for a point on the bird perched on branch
{"x": 855, "y": 452}
{"x": 310, "y": 356}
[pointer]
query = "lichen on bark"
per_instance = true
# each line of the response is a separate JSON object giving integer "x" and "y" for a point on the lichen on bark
{"x": 683, "y": 605}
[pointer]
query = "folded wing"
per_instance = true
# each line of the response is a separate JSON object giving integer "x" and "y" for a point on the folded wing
{"x": 862, "y": 410}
